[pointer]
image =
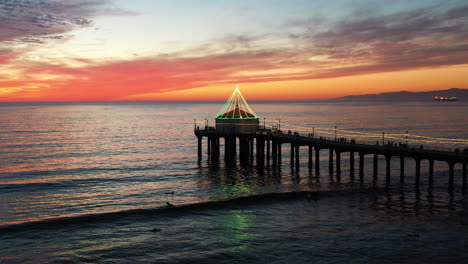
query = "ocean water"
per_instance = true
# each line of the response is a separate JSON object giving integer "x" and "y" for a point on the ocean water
{"x": 91, "y": 182}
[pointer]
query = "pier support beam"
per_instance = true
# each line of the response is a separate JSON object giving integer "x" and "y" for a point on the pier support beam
{"x": 218, "y": 146}
{"x": 257, "y": 151}
{"x": 418, "y": 171}
{"x": 260, "y": 151}
{"x": 388, "y": 160}
{"x": 208, "y": 146}
{"x": 297, "y": 156}
{"x": 200, "y": 148}
{"x": 361, "y": 165}
{"x": 338, "y": 163}
{"x": 292, "y": 155}
{"x": 330, "y": 161}
{"x": 244, "y": 150}
{"x": 251, "y": 148}
{"x": 214, "y": 143}
{"x": 268, "y": 152}
{"x": 234, "y": 146}
{"x": 351, "y": 164}
{"x": 464, "y": 177}
{"x": 216, "y": 149}
{"x": 402, "y": 169}
{"x": 274, "y": 153}
{"x": 376, "y": 165}
{"x": 310, "y": 157}
{"x": 229, "y": 158}
{"x": 263, "y": 152}
{"x": 279, "y": 153}
{"x": 317, "y": 161}
{"x": 451, "y": 174}
{"x": 431, "y": 172}
{"x": 230, "y": 150}
{"x": 213, "y": 150}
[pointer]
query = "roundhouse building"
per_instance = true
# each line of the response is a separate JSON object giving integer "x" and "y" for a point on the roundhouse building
{"x": 236, "y": 116}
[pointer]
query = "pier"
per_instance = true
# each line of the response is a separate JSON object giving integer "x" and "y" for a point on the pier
{"x": 264, "y": 146}
{"x": 238, "y": 128}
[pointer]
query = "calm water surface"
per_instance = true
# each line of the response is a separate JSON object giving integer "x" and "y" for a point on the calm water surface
{"x": 65, "y": 168}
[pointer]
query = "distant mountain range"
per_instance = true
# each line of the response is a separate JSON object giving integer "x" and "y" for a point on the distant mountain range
{"x": 461, "y": 94}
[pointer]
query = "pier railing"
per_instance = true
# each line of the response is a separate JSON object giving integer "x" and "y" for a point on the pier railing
{"x": 402, "y": 143}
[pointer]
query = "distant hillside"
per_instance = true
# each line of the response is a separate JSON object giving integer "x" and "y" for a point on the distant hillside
{"x": 461, "y": 94}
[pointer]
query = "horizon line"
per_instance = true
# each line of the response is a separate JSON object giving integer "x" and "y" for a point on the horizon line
{"x": 339, "y": 98}
{"x": 221, "y": 102}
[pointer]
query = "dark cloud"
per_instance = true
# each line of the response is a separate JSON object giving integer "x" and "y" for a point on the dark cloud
{"x": 364, "y": 43}
{"x": 399, "y": 27}
{"x": 422, "y": 37}
{"x": 37, "y": 21}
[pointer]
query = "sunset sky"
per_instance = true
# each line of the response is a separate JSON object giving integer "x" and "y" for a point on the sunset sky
{"x": 121, "y": 50}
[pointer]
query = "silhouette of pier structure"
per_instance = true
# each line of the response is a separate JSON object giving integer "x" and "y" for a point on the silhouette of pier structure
{"x": 236, "y": 123}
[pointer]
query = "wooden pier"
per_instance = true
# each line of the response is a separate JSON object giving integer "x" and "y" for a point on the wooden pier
{"x": 268, "y": 149}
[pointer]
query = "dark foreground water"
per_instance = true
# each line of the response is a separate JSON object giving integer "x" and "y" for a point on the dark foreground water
{"x": 90, "y": 182}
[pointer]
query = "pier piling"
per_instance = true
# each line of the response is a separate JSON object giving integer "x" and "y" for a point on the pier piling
{"x": 361, "y": 165}
{"x": 260, "y": 152}
{"x": 274, "y": 153}
{"x": 297, "y": 156}
{"x": 418, "y": 171}
{"x": 268, "y": 152}
{"x": 451, "y": 174}
{"x": 338, "y": 163}
{"x": 292, "y": 155}
{"x": 317, "y": 161}
{"x": 251, "y": 149}
{"x": 200, "y": 148}
{"x": 402, "y": 169}
{"x": 279, "y": 153}
{"x": 244, "y": 150}
{"x": 388, "y": 160}
{"x": 376, "y": 165}
{"x": 431, "y": 172}
{"x": 464, "y": 177}
{"x": 310, "y": 157}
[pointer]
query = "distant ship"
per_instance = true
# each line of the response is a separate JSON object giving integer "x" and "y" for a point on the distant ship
{"x": 444, "y": 99}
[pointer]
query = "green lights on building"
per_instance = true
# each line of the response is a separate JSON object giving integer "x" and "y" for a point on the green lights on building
{"x": 236, "y": 107}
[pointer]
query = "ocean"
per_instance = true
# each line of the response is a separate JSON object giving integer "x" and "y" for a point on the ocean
{"x": 90, "y": 183}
